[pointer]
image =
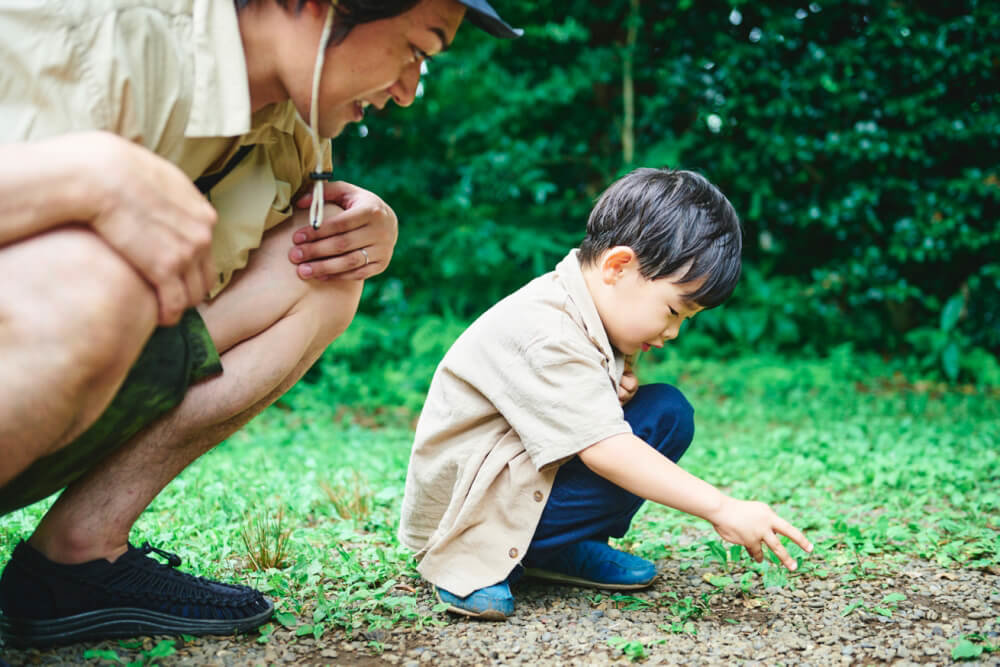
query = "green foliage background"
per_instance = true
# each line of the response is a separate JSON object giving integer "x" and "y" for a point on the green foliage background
{"x": 858, "y": 139}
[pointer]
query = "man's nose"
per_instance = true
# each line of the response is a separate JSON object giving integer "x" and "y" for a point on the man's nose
{"x": 404, "y": 91}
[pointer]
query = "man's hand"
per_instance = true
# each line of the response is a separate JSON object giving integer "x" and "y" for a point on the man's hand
{"x": 751, "y": 523}
{"x": 151, "y": 213}
{"x": 628, "y": 386}
{"x": 335, "y": 249}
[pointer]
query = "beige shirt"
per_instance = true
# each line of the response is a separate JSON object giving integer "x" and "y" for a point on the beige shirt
{"x": 531, "y": 383}
{"x": 169, "y": 75}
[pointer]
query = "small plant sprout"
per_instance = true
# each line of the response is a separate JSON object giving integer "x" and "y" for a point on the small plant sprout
{"x": 351, "y": 498}
{"x": 266, "y": 540}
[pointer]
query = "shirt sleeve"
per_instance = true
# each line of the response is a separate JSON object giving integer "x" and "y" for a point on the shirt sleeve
{"x": 69, "y": 68}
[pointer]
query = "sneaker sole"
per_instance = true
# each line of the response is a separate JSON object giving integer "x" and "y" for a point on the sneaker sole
{"x": 556, "y": 577}
{"x": 488, "y": 615}
{"x": 119, "y": 622}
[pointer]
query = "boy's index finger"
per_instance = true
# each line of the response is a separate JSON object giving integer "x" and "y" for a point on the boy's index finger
{"x": 775, "y": 545}
{"x": 794, "y": 534}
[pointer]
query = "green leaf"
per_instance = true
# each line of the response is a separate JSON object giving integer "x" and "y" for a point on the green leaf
{"x": 286, "y": 619}
{"x": 852, "y": 606}
{"x": 162, "y": 649}
{"x": 720, "y": 582}
{"x": 304, "y": 629}
{"x": 966, "y": 650}
{"x": 440, "y": 607}
{"x": 951, "y": 312}
{"x": 894, "y": 598}
{"x": 950, "y": 358}
{"x": 101, "y": 654}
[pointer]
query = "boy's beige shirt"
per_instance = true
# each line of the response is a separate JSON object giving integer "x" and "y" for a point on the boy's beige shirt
{"x": 531, "y": 383}
{"x": 167, "y": 74}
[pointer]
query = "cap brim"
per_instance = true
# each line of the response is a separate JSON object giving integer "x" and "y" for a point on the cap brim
{"x": 484, "y": 17}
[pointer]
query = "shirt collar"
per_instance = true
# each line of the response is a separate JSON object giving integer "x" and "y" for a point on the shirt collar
{"x": 570, "y": 273}
{"x": 220, "y": 105}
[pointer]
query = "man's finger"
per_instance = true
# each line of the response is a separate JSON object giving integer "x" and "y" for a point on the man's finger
{"x": 208, "y": 274}
{"x": 332, "y": 246}
{"x": 170, "y": 297}
{"x": 194, "y": 281}
{"x": 339, "y": 267}
{"x": 333, "y": 191}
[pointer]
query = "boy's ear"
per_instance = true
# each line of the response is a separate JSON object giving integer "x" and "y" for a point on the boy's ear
{"x": 615, "y": 261}
{"x": 316, "y": 8}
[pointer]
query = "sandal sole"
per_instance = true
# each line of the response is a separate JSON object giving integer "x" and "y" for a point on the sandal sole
{"x": 116, "y": 623}
{"x": 488, "y": 615}
{"x": 558, "y": 578}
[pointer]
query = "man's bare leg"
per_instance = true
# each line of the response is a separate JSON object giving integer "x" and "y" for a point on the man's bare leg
{"x": 269, "y": 327}
{"x": 74, "y": 316}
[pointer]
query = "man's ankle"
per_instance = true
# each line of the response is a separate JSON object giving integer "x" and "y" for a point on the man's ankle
{"x": 65, "y": 550}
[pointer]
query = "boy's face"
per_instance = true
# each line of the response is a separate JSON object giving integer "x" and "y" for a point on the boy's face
{"x": 638, "y": 313}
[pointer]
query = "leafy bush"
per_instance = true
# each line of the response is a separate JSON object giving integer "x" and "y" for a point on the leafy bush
{"x": 858, "y": 140}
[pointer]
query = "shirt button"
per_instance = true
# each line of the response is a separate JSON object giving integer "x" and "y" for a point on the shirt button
{"x": 538, "y": 496}
{"x": 512, "y": 553}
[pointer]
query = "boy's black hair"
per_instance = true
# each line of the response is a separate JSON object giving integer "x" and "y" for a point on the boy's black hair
{"x": 351, "y": 13}
{"x": 670, "y": 218}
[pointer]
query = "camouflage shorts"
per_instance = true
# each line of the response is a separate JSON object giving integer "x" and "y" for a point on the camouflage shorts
{"x": 173, "y": 359}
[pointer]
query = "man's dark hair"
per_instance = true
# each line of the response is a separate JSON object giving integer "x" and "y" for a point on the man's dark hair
{"x": 351, "y": 13}
{"x": 670, "y": 218}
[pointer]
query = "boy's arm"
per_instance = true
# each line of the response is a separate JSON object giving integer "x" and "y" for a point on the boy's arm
{"x": 633, "y": 465}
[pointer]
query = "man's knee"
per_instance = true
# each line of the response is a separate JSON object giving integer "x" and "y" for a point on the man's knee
{"x": 80, "y": 299}
{"x": 662, "y": 416}
{"x": 334, "y": 304}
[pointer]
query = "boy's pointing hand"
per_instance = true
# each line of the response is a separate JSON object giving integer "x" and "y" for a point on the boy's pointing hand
{"x": 752, "y": 523}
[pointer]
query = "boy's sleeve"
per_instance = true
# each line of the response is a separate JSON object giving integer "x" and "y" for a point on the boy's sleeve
{"x": 559, "y": 397}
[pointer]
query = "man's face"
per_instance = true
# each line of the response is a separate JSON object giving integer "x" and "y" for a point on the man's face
{"x": 380, "y": 61}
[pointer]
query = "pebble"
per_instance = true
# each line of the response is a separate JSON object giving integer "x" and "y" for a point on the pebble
{"x": 562, "y": 626}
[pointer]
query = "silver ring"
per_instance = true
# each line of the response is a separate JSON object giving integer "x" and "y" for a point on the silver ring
{"x": 367, "y": 258}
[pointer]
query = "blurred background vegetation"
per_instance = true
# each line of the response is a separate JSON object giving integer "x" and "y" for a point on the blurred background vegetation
{"x": 859, "y": 140}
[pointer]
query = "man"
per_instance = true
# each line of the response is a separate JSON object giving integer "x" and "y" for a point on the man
{"x": 112, "y": 382}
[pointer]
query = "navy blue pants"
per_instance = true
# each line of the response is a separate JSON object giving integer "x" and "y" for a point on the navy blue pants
{"x": 584, "y": 505}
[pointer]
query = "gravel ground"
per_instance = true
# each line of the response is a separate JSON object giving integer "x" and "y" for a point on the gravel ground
{"x": 571, "y": 626}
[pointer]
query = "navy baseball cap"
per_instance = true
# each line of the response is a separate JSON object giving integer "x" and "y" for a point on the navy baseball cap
{"x": 484, "y": 17}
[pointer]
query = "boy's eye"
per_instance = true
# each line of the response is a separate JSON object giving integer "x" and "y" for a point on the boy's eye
{"x": 672, "y": 311}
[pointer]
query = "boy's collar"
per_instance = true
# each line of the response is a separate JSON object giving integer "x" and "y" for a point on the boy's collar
{"x": 571, "y": 273}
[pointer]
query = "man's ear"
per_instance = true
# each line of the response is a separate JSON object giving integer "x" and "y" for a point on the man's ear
{"x": 614, "y": 262}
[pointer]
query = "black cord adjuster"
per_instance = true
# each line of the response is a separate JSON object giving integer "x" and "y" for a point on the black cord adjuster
{"x": 321, "y": 175}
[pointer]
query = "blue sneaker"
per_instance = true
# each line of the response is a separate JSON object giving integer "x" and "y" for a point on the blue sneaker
{"x": 493, "y": 603}
{"x": 593, "y": 564}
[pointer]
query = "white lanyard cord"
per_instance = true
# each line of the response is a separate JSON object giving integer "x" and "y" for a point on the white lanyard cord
{"x": 316, "y": 208}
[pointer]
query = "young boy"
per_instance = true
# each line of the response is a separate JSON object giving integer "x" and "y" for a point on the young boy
{"x": 535, "y": 446}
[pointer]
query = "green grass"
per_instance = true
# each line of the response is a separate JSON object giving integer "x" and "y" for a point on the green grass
{"x": 873, "y": 468}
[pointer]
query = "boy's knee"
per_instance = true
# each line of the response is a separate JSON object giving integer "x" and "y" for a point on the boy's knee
{"x": 661, "y": 415}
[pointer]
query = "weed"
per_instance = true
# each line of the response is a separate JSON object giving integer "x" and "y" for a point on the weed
{"x": 867, "y": 475}
{"x": 266, "y": 540}
{"x": 351, "y": 498}
{"x": 630, "y": 648}
{"x": 629, "y": 602}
